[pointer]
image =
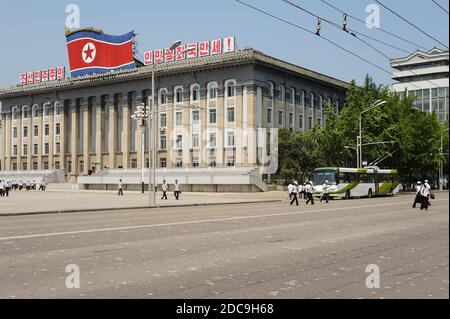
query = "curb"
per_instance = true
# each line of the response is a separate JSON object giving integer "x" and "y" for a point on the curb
{"x": 129, "y": 208}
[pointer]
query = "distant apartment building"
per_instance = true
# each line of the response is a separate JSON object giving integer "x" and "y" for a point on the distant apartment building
{"x": 424, "y": 75}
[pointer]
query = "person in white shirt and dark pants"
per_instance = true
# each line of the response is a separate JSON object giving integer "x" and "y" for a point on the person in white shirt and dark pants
{"x": 177, "y": 190}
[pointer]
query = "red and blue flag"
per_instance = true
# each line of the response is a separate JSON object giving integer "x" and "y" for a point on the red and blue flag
{"x": 93, "y": 52}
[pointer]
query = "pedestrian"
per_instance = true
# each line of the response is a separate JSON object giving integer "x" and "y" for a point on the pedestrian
{"x": 177, "y": 190}
{"x": 425, "y": 197}
{"x": 164, "y": 188}
{"x": 300, "y": 190}
{"x": 120, "y": 186}
{"x": 289, "y": 188}
{"x": 294, "y": 194}
{"x": 2, "y": 189}
{"x": 7, "y": 186}
{"x": 325, "y": 192}
{"x": 417, "y": 199}
{"x": 309, "y": 193}
{"x": 28, "y": 186}
{"x": 428, "y": 186}
{"x": 20, "y": 185}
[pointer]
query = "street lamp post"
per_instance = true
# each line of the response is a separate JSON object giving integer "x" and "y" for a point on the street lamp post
{"x": 141, "y": 115}
{"x": 441, "y": 164}
{"x": 359, "y": 137}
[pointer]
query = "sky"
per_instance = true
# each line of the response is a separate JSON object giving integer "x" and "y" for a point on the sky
{"x": 32, "y": 32}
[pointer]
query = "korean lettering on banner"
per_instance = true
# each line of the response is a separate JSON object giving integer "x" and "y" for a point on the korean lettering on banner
{"x": 148, "y": 58}
{"x": 61, "y": 73}
{"x": 203, "y": 48}
{"x": 181, "y": 54}
{"x": 44, "y": 75}
{"x": 216, "y": 47}
{"x": 159, "y": 56}
{"x": 37, "y": 76}
{"x": 170, "y": 55}
{"x": 52, "y": 74}
{"x": 23, "y": 79}
{"x": 192, "y": 52}
{"x": 30, "y": 77}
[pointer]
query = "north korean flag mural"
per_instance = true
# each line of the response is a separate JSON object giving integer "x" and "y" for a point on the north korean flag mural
{"x": 93, "y": 52}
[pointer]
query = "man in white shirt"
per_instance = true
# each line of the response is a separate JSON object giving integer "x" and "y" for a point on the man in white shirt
{"x": 164, "y": 188}
{"x": 325, "y": 192}
{"x": 289, "y": 188}
{"x": 417, "y": 198}
{"x": 2, "y": 189}
{"x": 294, "y": 193}
{"x": 120, "y": 187}
{"x": 309, "y": 192}
{"x": 177, "y": 190}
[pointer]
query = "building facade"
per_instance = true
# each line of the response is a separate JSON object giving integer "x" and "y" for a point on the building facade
{"x": 425, "y": 75}
{"x": 208, "y": 113}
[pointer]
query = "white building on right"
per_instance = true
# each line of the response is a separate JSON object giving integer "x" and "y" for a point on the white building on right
{"x": 425, "y": 75}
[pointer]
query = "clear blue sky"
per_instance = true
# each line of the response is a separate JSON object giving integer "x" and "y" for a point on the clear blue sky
{"x": 32, "y": 32}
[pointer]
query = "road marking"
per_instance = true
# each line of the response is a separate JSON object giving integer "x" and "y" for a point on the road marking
{"x": 87, "y": 231}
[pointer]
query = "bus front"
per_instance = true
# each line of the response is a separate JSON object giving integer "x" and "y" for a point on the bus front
{"x": 320, "y": 175}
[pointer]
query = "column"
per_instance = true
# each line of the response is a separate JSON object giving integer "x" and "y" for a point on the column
{"x": 221, "y": 119}
{"x": 112, "y": 132}
{"x": 8, "y": 139}
{"x": 74, "y": 137}
{"x": 3, "y": 142}
{"x": 126, "y": 137}
{"x": 187, "y": 128}
{"x": 51, "y": 134}
{"x": 139, "y": 129}
{"x": 98, "y": 134}
{"x": 241, "y": 91}
{"x": 62, "y": 138}
{"x": 87, "y": 127}
{"x": 40, "y": 138}
{"x": 252, "y": 124}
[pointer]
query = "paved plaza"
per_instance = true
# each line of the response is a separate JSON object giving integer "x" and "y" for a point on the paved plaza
{"x": 67, "y": 201}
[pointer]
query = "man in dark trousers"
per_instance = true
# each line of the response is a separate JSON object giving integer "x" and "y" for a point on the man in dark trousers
{"x": 417, "y": 199}
{"x": 309, "y": 192}
{"x": 164, "y": 188}
{"x": 120, "y": 186}
{"x": 177, "y": 190}
{"x": 294, "y": 194}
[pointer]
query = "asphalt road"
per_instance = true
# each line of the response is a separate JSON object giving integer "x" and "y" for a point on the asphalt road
{"x": 266, "y": 250}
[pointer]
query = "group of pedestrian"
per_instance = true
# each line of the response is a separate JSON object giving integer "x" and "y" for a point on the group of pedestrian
{"x": 423, "y": 195}
{"x": 7, "y": 186}
{"x": 164, "y": 189}
{"x": 306, "y": 191}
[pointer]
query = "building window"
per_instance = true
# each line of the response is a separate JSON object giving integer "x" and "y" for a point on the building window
{"x": 47, "y": 130}
{"x": 57, "y": 165}
{"x": 14, "y": 150}
{"x": 212, "y": 141}
{"x": 57, "y": 147}
{"x": 35, "y": 166}
{"x": 301, "y": 121}
{"x": 195, "y": 93}
{"x": 179, "y": 142}
{"x": 45, "y": 165}
{"x": 291, "y": 120}
{"x": 179, "y": 95}
{"x": 58, "y": 129}
{"x": 163, "y": 142}
{"x": 35, "y": 149}
{"x": 195, "y": 117}
{"x": 81, "y": 166}
{"x": 14, "y": 166}
{"x": 269, "y": 116}
{"x": 281, "y": 94}
{"x": 163, "y": 97}
{"x": 36, "y": 130}
{"x": 163, "y": 162}
{"x": 310, "y": 122}
{"x": 46, "y": 148}
{"x": 24, "y": 166}
{"x": 179, "y": 118}
{"x": 163, "y": 120}
{"x": 134, "y": 163}
{"x": 230, "y": 160}
{"x": 25, "y": 150}
{"x": 280, "y": 118}
{"x": 212, "y": 161}
{"x": 195, "y": 141}
{"x": 212, "y": 91}
{"x": 25, "y": 131}
{"x": 147, "y": 163}
{"x": 230, "y": 115}
{"x": 14, "y": 132}
{"x": 230, "y": 139}
{"x": 292, "y": 97}
{"x": 195, "y": 161}
{"x": 179, "y": 162}
{"x": 212, "y": 116}
{"x": 231, "y": 89}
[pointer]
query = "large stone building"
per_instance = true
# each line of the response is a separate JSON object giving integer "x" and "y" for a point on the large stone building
{"x": 209, "y": 112}
{"x": 425, "y": 76}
